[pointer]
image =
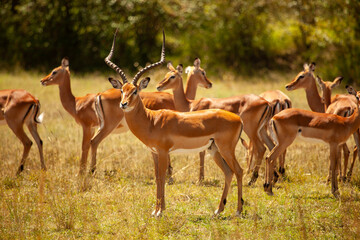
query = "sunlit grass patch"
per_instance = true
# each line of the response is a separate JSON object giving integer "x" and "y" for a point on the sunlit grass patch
{"x": 117, "y": 202}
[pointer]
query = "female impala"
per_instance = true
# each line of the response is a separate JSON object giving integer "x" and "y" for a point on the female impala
{"x": 330, "y": 128}
{"x": 306, "y": 79}
{"x": 18, "y": 107}
{"x": 166, "y": 131}
{"x": 85, "y": 114}
{"x": 253, "y": 110}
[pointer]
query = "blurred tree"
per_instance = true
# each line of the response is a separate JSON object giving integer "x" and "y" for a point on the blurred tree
{"x": 240, "y": 36}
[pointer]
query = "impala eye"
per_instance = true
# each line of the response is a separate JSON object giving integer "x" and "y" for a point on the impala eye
{"x": 203, "y": 73}
{"x": 135, "y": 92}
{"x": 54, "y": 72}
{"x": 301, "y": 76}
{"x": 172, "y": 77}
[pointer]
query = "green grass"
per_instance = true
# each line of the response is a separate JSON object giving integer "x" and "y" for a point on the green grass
{"x": 121, "y": 197}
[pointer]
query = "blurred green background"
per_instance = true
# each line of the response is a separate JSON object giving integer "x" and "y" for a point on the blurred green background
{"x": 243, "y": 37}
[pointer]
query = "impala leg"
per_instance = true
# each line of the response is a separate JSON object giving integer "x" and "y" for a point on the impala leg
{"x": 170, "y": 173}
{"x": 18, "y": 129}
{"x": 334, "y": 157}
{"x": 282, "y": 163}
{"x": 33, "y": 130}
{"x": 162, "y": 164}
{"x": 356, "y": 152}
{"x": 228, "y": 153}
{"x": 213, "y": 150}
{"x": 346, "y": 152}
{"x": 259, "y": 151}
{"x": 202, "y": 161}
{"x": 85, "y": 149}
{"x": 337, "y": 167}
{"x": 247, "y": 156}
{"x": 273, "y": 155}
{"x": 97, "y": 139}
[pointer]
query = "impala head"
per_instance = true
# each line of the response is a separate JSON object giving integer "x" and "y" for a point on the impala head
{"x": 172, "y": 79}
{"x": 352, "y": 91}
{"x": 303, "y": 79}
{"x": 198, "y": 75}
{"x": 326, "y": 88}
{"x": 130, "y": 91}
{"x": 58, "y": 74}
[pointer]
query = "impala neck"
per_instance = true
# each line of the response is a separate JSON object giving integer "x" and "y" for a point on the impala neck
{"x": 181, "y": 102}
{"x": 138, "y": 120}
{"x": 191, "y": 87}
{"x": 313, "y": 98}
{"x": 66, "y": 96}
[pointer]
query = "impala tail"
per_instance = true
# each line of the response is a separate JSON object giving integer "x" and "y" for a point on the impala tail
{"x": 99, "y": 111}
{"x": 273, "y": 132}
{"x": 38, "y": 117}
{"x": 265, "y": 118}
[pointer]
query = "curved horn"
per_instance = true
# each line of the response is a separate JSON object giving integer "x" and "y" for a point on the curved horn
{"x": 162, "y": 60}
{"x": 113, "y": 65}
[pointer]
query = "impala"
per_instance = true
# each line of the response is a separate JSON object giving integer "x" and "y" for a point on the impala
{"x": 306, "y": 79}
{"x": 279, "y": 101}
{"x": 18, "y": 107}
{"x": 83, "y": 109}
{"x": 166, "y": 131}
{"x": 352, "y": 91}
{"x": 253, "y": 110}
{"x": 342, "y": 105}
{"x": 329, "y": 128}
{"x": 108, "y": 103}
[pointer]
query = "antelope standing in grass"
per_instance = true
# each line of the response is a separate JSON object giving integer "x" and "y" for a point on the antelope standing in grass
{"x": 329, "y": 128}
{"x": 166, "y": 131}
{"x": 306, "y": 79}
{"x": 18, "y": 107}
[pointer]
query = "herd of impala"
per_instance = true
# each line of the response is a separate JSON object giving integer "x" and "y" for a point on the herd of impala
{"x": 175, "y": 123}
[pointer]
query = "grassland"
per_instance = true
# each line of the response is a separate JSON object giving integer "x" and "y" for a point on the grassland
{"x": 121, "y": 196}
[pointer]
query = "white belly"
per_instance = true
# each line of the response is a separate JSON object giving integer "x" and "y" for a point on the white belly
{"x": 191, "y": 150}
{"x": 309, "y": 140}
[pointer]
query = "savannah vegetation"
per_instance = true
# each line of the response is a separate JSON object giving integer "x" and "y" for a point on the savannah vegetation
{"x": 119, "y": 199}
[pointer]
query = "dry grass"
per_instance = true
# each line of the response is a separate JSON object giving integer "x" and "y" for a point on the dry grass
{"x": 120, "y": 198}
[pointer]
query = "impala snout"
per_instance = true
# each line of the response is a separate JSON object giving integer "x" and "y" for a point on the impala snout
{"x": 289, "y": 87}
{"x": 158, "y": 88}
{"x": 124, "y": 105}
{"x": 43, "y": 82}
{"x": 209, "y": 86}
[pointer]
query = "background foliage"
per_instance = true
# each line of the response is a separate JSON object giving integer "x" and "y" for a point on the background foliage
{"x": 239, "y": 36}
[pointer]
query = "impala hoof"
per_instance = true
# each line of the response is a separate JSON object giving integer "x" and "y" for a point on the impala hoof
{"x": 336, "y": 194}
{"x": 156, "y": 213}
{"x": 171, "y": 181}
{"x": 217, "y": 212}
{"x": 238, "y": 213}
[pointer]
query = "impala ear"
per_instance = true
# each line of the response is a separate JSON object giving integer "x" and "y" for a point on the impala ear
{"x": 312, "y": 67}
{"x": 171, "y": 67}
{"x": 179, "y": 68}
{"x": 144, "y": 83}
{"x": 65, "y": 62}
{"x": 197, "y": 63}
{"x": 115, "y": 83}
{"x": 320, "y": 82}
{"x": 350, "y": 90}
{"x": 306, "y": 66}
{"x": 336, "y": 82}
